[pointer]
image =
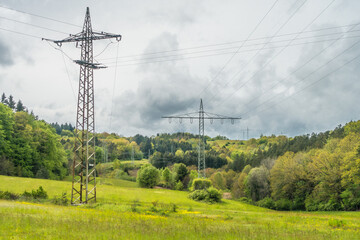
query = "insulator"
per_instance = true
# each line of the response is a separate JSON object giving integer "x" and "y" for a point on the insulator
{"x": 211, "y": 120}
{"x": 222, "y": 121}
{"x": 191, "y": 120}
{"x": 232, "y": 121}
{"x": 169, "y": 120}
{"x": 180, "y": 120}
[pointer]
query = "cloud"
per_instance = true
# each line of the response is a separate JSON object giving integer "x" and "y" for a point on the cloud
{"x": 167, "y": 88}
{"x": 5, "y": 55}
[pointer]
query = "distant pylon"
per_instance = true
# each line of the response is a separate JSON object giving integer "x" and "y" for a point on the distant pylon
{"x": 83, "y": 168}
{"x": 201, "y": 144}
{"x": 201, "y": 116}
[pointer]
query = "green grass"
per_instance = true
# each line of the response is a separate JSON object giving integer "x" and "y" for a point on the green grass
{"x": 112, "y": 217}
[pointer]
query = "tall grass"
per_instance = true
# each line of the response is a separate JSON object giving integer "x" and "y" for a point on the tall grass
{"x": 124, "y": 211}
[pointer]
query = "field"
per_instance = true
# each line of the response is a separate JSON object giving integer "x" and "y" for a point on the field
{"x": 124, "y": 211}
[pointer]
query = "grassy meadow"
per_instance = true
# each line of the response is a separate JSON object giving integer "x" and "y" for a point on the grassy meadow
{"x": 124, "y": 211}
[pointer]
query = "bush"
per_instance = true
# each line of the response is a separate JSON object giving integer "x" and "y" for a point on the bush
{"x": 210, "y": 195}
{"x": 266, "y": 203}
{"x": 8, "y": 195}
{"x": 214, "y": 195}
{"x": 245, "y": 200}
{"x": 61, "y": 200}
{"x": 40, "y": 193}
{"x": 200, "y": 183}
{"x": 198, "y": 195}
{"x": 179, "y": 186}
{"x": 283, "y": 204}
{"x": 147, "y": 176}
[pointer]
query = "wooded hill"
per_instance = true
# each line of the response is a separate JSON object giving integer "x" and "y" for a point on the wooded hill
{"x": 313, "y": 172}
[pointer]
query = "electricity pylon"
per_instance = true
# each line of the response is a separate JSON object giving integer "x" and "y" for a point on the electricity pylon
{"x": 83, "y": 168}
{"x": 201, "y": 116}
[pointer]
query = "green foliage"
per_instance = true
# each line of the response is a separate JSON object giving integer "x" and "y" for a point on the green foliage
{"x": 167, "y": 177}
{"x": 336, "y": 223}
{"x": 218, "y": 181}
{"x": 283, "y": 204}
{"x": 351, "y": 198}
{"x": 30, "y": 147}
{"x": 266, "y": 203}
{"x": 40, "y": 193}
{"x": 148, "y": 176}
{"x": 180, "y": 171}
{"x": 60, "y": 200}
{"x": 192, "y": 219}
{"x": 200, "y": 184}
{"x": 239, "y": 161}
{"x": 8, "y": 195}
{"x": 257, "y": 183}
{"x": 239, "y": 188}
{"x": 179, "y": 186}
{"x": 211, "y": 195}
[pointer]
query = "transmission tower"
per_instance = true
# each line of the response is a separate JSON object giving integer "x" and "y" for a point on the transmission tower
{"x": 201, "y": 116}
{"x": 83, "y": 168}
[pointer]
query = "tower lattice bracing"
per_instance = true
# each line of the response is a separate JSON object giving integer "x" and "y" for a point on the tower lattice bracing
{"x": 201, "y": 143}
{"x": 84, "y": 178}
{"x": 83, "y": 167}
{"x": 201, "y": 116}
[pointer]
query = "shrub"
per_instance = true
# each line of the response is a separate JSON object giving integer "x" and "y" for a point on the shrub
{"x": 200, "y": 183}
{"x": 40, "y": 193}
{"x": 179, "y": 186}
{"x": 335, "y": 223}
{"x": 198, "y": 195}
{"x": 148, "y": 176}
{"x": 61, "y": 200}
{"x": 8, "y": 195}
{"x": 214, "y": 195}
{"x": 266, "y": 203}
{"x": 210, "y": 195}
{"x": 246, "y": 200}
{"x": 283, "y": 204}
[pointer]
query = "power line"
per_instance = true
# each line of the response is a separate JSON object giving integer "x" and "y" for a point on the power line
{"x": 256, "y": 54}
{"x": 33, "y": 25}
{"x": 113, "y": 92}
{"x": 278, "y": 53}
{"x": 223, "y": 53}
{"x": 39, "y": 16}
{"x": 303, "y": 65}
{"x": 230, "y": 43}
{"x": 317, "y": 69}
{"x": 233, "y": 55}
{"x": 312, "y": 84}
{"x": 230, "y": 48}
{"x": 25, "y": 34}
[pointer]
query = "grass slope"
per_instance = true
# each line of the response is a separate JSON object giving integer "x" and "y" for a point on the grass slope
{"x": 112, "y": 217}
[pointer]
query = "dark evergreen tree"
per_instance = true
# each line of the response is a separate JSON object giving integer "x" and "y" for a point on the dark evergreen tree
{"x": 4, "y": 100}
{"x": 20, "y": 107}
{"x": 11, "y": 102}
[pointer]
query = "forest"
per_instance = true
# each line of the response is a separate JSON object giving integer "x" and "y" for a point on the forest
{"x": 318, "y": 171}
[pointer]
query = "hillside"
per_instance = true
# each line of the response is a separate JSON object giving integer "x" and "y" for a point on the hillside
{"x": 127, "y": 212}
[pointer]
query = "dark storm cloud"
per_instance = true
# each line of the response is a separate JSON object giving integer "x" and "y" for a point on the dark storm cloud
{"x": 316, "y": 105}
{"x": 166, "y": 89}
{"x": 5, "y": 55}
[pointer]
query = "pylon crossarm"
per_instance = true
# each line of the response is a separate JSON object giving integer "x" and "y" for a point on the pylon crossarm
{"x": 82, "y": 37}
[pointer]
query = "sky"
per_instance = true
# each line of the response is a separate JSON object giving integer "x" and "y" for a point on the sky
{"x": 285, "y": 67}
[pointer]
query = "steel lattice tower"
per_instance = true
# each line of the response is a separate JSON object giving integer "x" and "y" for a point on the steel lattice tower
{"x": 201, "y": 116}
{"x": 83, "y": 168}
{"x": 201, "y": 144}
